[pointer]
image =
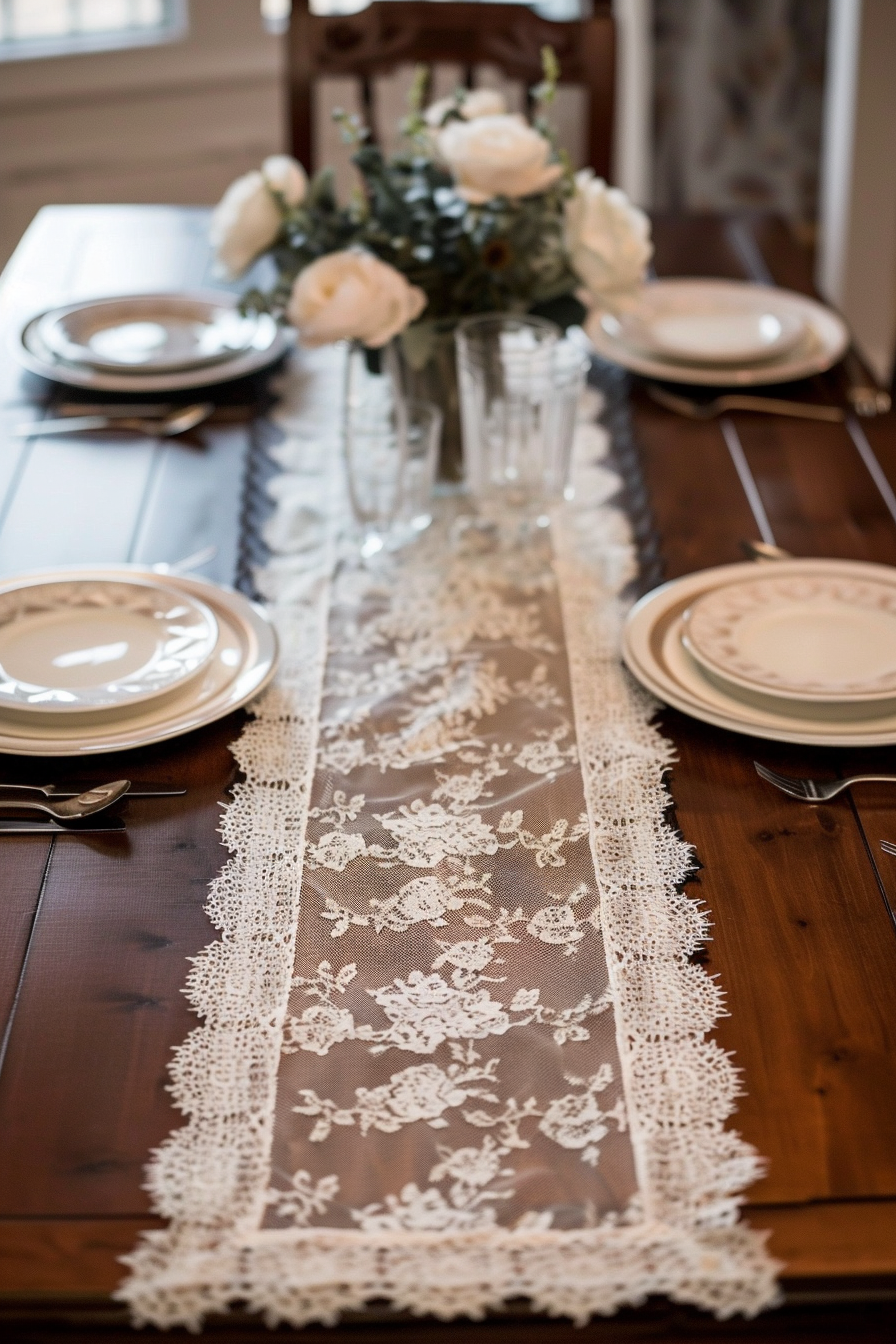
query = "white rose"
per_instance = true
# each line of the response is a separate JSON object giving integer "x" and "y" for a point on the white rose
{"x": 248, "y": 216}
{"x": 352, "y": 296}
{"x": 286, "y": 176}
{"x": 608, "y": 238}
{"x": 497, "y": 156}
{"x": 477, "y": 103}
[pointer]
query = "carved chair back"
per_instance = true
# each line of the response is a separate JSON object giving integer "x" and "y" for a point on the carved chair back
{"x": 393, "y": 33}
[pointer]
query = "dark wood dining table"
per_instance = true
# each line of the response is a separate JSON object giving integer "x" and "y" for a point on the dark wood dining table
{"x": 96, "y": 930}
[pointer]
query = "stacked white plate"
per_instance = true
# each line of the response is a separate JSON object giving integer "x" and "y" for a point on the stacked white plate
{"x": 114, "y": 657}
{"x": 794, "y": 650}
{"x": 149, "y": 342}
{"x": 720, "y": 333}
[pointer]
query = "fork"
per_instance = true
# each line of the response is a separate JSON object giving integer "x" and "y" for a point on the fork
{"x": 709, "y": 410}
{"x": 810, "y": 791}
{"x": 888, "y": 847}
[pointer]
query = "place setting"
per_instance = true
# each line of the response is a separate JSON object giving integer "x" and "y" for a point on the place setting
{"x": 149, "y": 343}
{"x": 114, "y": 657}
{"x": 790, "y": 650}
{"x": 720, "y": 333}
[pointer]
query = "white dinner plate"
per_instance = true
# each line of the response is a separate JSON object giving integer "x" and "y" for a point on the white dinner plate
{"x": 655, "y": 654}
{"x": 152, "y": 333}
{"x": 700, "y": 322}
{"x": 242, "y": 664}
{"x": 824, "y": 340}
{"x": 825, "y": 636}
{"x": 30, "y": 350}
{"x": 75, "y": 646}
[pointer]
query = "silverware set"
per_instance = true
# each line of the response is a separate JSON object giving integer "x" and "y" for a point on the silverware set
{"x": 66, "y": 807}
{"x": 139, "y": 419}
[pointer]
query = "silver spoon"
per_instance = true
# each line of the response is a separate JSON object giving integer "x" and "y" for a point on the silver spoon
{"x": 71, "y": 809}
{"x": 178, "y": 422}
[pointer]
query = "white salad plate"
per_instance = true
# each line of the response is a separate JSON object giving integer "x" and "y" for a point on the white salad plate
{"x": 243, "y": 662}
{"x": 821, "y": 340}
{"x": 74, "y": 646}
{"x": 814, "y": 637}
{"x": 655, "y": 653}
{"x": 702, "y": 323}
{"x": 268, "y": 345}
{"x": 150, "y": 333}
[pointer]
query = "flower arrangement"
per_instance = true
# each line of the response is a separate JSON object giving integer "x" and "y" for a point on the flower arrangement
{"x": 481, "y": 213}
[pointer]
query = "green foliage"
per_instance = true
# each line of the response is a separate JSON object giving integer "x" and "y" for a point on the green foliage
{"x": 504, "y": 255}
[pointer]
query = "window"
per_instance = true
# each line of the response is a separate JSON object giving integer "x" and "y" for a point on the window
{"x": 275, "y": 13}
{"x": 60, "y": 27}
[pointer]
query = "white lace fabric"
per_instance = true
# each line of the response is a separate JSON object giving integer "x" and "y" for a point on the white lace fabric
{"x": 454, "y": 1050}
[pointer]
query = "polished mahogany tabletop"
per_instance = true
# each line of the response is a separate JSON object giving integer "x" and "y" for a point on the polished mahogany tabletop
{"x": 95, "y": 931}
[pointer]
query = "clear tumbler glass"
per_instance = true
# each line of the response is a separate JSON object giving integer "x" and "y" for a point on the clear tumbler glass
{"x": 391, "y": 454}
{"x": 519, "y": 388}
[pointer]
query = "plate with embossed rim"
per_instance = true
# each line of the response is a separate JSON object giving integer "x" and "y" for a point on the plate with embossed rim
{"x": 655, "y": 654}
{"x": 823, "y": 341}
{"x": 710, "y": 322}
{"x": 242, "y": 664}
{"x": 823, "y": 636}
{"x": 75, "y": 646}
{"x": 152, "y": 333}
{"x": 29, "y": 348}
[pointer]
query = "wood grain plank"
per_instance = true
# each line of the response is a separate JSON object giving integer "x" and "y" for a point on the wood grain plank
{"x": 75, "y": 1257}
{"x": 195, "y": 501}
{"x": 82, "y": 1093}
{"x": 828, "y": 1240}
{"x": 24, "y": 864}
{"x": 819, "y": 498}
{"x": 78, "y": 501}
{"x": 805, "y": 953}
{"x": 699, "y": 508}
{"x": 694, "y": 245}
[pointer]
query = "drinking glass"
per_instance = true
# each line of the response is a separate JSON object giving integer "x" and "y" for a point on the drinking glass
{"x": 519, "y": 389}
{"x": 391, "y": 453}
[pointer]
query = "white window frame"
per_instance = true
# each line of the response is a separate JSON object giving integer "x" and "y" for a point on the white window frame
{"x": 175, "y": 27}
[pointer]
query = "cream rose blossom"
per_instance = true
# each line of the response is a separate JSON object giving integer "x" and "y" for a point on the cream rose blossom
{"x": 477, "y": 103}
{"x": 248, "y": 216}
{"x": 497, "y": 156}
{"x": 608, "y": 238}
{"x": 352, "y": 296}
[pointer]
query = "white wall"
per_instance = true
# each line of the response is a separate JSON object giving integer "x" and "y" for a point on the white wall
{"x": 173, "y": 123}
{"x": 857, "y": 249}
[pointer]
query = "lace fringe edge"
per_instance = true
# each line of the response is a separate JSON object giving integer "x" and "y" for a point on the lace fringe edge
{"x": 299, "y": 1277}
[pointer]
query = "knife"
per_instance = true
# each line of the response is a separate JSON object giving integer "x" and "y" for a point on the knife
{"x": 8, "y": 826}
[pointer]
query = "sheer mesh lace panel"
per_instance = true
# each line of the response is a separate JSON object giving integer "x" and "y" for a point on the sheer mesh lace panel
{"x": 450, "y": 1059}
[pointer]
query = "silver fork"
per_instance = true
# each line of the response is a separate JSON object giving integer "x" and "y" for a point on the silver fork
{"x": 810, "y": 791}
{"x": 737, "y": 401}
{"x": 888, "y": 847}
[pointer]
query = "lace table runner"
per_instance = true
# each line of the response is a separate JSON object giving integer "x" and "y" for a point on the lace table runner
{"x": 471, "y": 1063}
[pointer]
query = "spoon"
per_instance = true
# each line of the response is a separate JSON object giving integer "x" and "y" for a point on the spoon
{"x": 166, "y": 427}
{"x": 71, "y": 809}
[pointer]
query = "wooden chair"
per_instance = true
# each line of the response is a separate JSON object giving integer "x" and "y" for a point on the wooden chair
{"x": 392, "y": 33}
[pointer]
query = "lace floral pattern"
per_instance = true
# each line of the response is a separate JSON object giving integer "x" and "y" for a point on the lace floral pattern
{"x": 444, "y": 1077}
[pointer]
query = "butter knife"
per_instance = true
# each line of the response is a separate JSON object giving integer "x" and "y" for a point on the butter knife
{"x": 8, "y": 826}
